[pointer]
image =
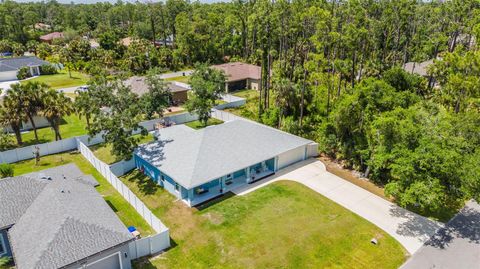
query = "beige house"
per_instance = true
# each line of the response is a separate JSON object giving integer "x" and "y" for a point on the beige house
{"x": 241, "y": 76}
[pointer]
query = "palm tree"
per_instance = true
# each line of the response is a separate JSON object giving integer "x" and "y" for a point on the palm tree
{"x": 29, "y": 97}
{"x": 55, "y": 106}
{"x": 12, "y": 115}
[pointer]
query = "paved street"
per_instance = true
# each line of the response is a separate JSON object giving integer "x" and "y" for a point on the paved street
{"x": 408, "y": 228}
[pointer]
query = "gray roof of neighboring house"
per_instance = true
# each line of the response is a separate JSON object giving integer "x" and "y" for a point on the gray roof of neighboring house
{"x": 140, "y": 87}
{"x": 66, "y": 221}
{"x": 239, "y": 71}
{"x": 457, "y": 245}
{"x": 13, "y": 64}
{"x": 418, "y": 68}
{"x": 18, "y": 193}
{"x": 194, "y": 157}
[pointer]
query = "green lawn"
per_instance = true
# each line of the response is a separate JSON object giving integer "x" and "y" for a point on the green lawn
{"x": 72, "y": 126}
{"x": 184, "y": 79}
{"x": 198, "y": 125}
{"x": 283, "y": 225}
{"x": 62, "y": 79}
{"x": 103, "y": 151}
{"x": 120, "y": 206}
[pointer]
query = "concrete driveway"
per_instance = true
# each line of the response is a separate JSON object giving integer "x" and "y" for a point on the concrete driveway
{"x": 408, "y": 228}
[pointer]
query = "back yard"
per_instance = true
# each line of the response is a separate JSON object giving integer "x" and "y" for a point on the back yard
{"x": 283, "y": 225}
{"x": 119, "y": 205}
{"x": 62, "y": 79}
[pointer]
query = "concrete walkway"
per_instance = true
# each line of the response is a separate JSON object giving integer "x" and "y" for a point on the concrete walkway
{"x": 408, "y": 228}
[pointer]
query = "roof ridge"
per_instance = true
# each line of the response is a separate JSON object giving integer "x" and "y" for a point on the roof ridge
{"x": 202, "y": 134}
{"x": 47, "y": 243}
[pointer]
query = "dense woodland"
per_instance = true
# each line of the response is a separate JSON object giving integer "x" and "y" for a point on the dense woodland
{"x": 336, "y": 74}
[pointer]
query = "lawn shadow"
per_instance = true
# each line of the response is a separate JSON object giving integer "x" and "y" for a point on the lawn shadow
{"x": 111, "y": 206}
{"x": 214, "y": 201}
{"x": 145, "y": 184}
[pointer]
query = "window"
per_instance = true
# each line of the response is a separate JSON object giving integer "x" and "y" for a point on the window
{"x": 162, "y": 178}
{"x": 3, "y": 247}
{"x": 177, "y": 187}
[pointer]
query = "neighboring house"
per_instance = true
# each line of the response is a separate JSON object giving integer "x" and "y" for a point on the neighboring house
{"x": 40, "y": 122}
{"x": 457, "y": 245}
{"x": 9, "y": 67}
{"x": 42, "y": 26}
{"x": 418, "y": 68}
{"x": 198, "y": 165}
{"x": 241, "y": 76}
{"x": 56, "y": 219}
{"x": 48, "y": 38}
{"x": 178, "y": 90}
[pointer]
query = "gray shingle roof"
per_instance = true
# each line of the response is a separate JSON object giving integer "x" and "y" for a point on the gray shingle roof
{"x": 60, "y": 220}
{"x": 418, "y": 68}
{"x": 457, "y": 245}
{"x": 195, "y": 157}
{"x": 18, "y": 193}
{"x": 11, "y": 64}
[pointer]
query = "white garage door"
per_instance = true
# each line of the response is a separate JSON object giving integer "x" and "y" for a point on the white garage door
{"x": 9, "y": 75}
{"x": 292, "y": 156}
{"x": 110, "y": 262}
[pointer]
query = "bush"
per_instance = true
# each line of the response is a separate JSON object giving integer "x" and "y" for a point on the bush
{"x": 6, "y": 170}
{"x": 23, "y": 73}
{"x": 48, "y": 69}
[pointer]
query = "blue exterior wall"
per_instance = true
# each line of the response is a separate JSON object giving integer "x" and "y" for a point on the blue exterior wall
{"x": 3, "y": 234}
{"x": 156, "y": 175}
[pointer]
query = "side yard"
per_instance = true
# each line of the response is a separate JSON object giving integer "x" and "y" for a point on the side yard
{"x": 103, "y": 151}
{"x": 71, "y": 126}
{"x": 281, "y": 225}
{"x": 122, "y": 208}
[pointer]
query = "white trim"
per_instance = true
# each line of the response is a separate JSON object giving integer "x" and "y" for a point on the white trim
{"x": 118, "y": 253}
{"x": 4, "y": 246}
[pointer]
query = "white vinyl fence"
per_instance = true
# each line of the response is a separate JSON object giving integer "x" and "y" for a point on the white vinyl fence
{"x": 145, "y": 246}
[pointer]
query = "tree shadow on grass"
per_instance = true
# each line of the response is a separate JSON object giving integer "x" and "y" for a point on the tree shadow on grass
{"x": 145, "y": 184}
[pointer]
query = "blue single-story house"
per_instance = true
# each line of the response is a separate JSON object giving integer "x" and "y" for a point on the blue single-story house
{"x": 198, "y": 165}
{"x": 56, "y": 219}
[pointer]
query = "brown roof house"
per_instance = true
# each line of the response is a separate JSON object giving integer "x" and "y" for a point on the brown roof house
{"x": 179, "y": 90}
{"x": 241, "y": 76}
{"x": 48, "y": 38}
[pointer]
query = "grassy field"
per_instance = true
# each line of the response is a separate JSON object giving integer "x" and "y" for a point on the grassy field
{"x": 250, "y": 109}
{"x": 119, "y": 205}
{"x": 72, "y": 126}
{"x": 198, "y": 125}
{"x": 183, "y": 79}
{"x": 283, "y": 225}
{"x": 62, "y": 79}
{"x": 103, "y": 151}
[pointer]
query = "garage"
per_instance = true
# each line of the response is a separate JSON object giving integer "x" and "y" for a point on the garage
{"x": 292, "y": 156}
{"x": 109, "y": 262}
{"x": 8, "y": 75}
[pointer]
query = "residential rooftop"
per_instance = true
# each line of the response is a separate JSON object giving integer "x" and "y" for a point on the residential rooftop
{"x": 139, "y": 86}
{"x": 194, "y": 157}
{"x": 15, "y": 63}
{"x": 58, "y": 218}
{"x": 239, "y": 71}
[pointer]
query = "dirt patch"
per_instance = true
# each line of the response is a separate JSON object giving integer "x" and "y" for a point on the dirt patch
{"x": 352, "y": 176}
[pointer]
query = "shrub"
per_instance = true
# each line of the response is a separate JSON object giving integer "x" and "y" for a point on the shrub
{"x": 48, "y": 69}
{"x": 6, "y": 170}
{"x": 23, "y": 73}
